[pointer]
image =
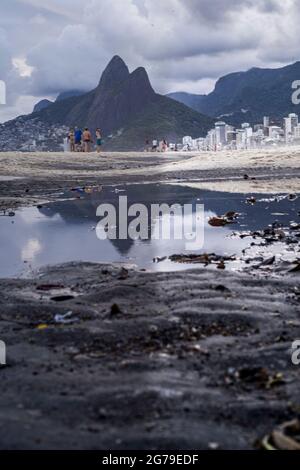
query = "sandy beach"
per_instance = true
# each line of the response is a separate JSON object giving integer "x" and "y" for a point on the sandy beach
{"x": 21, "y": 164}
{"x": 197, "y": 359}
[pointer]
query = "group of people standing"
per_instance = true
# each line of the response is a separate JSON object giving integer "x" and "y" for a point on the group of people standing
{"x": 81, "y": 141}
{"x": 157, "y": 146}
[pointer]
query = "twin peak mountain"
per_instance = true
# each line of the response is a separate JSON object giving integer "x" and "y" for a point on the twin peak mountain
{"x": 127, "y": 110}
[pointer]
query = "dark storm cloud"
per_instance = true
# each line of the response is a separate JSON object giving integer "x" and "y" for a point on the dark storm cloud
{"x": 47, "y": 46}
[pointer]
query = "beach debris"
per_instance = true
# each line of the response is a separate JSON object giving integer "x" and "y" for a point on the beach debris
{"x": 49, "y": 287}
{"x": 258, "y": 376}
{"x": 221, "y": 265}
{"x": 251, "y": 200}
{"x": 196, "y": 348}
{"x": 221, "y": 288}
{"x": 220, "y": 221}
{"x": 66, "y": 318}
{"x": 87, "y": 189}
{"x": 115, "y": 309}
{"x": 117, "y": 191}
{"x": 217, "y": 221}
{"x": 78, "y": 189}
{"x": 268, "y": 261}
{"x": 230, "y": 215}
{"x": 159, "y": 259}
{"x": 285, "y": 437}
{"x": 62, "y": 298}
{"x": 42, "y": 326}
{"x": 204, "y": 258}
{"x": 93, "y": 189}
{"x": 123, "y": 274}
{"x": 296, "y": 268}
{"x": 273, "y": 233}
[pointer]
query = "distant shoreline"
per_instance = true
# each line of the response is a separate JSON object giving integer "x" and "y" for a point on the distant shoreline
{"x": 27, "y": 178}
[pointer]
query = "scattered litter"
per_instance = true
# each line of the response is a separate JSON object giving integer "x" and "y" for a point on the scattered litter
{"x": 251, "y": 200}
{"x": 217, "y": 222}
{"x": 285, "y": 437}
{"x": 158, "y": 259}
{"x": 62, "y": 298}
{"x": 87, "y": 189}
{"x": 49, "y": 287}
{"x": 220, "y": 221}
{"x": 92, "y": 189}
{"x": 201, "y": 259}
{"x": 123, "y": 274}
{"x": 66, "y": 318}
{"x": 119, "y": 190}
{"x": 221, "y": 265}
{"x": 296, "y": 268}
{"x": 268, "y": 261}
{"x": 231, "y": 215}
{"x": 221, "y": 288}
{"x": 115, "y": 309}
{"x": 42, "y": 326}
{"x": 79, "y": 190}
{"x": 258, "y": 376}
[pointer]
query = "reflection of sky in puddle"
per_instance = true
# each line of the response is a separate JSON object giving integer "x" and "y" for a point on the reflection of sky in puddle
{"x": 65, "y": 231}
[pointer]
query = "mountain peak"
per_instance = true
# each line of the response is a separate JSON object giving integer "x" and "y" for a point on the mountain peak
{"x": 140, "y": 77}
{"x": 115, "y": 73}
{"x": 43, "y": 104}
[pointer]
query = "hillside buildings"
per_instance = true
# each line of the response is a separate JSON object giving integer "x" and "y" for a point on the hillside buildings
{"x": 265, "y": 134}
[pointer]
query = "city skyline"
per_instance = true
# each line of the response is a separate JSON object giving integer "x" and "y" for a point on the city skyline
{"x": 268, "y": 133}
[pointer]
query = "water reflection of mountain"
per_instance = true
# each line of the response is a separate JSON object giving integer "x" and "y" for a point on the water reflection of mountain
{"x": 83, "y": 210}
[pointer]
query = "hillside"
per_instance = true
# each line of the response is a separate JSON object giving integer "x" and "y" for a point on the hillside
{"x": 127, "y": 109}
{"x": 248, "y": 96}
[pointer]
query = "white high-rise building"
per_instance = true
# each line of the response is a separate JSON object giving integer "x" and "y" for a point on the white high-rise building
{"x": 287, "y": 129}
{"x": 187, "y": 141}
{"x": 290, "y": 123}
{"x": 240, "y": 139}
{"x": 275, "y": 132}
{"x": 294, "y": 120}
{"x": 211, "y": 140}
{"x": 297, "y": 132}
{"x": 220, "y": 128}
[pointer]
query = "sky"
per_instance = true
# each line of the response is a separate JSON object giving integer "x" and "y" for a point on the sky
{"x": 50, "y": 46}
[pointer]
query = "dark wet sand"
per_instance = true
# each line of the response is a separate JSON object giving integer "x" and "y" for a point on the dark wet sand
{"x": 157, "y": 370}
{"x": 182, "y": 360}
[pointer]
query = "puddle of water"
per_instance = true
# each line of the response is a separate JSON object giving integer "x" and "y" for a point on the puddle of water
{"x": 65, "y": 230}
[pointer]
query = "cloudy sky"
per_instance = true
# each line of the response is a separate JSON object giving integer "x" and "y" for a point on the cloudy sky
{"x": 49, "y": 46}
